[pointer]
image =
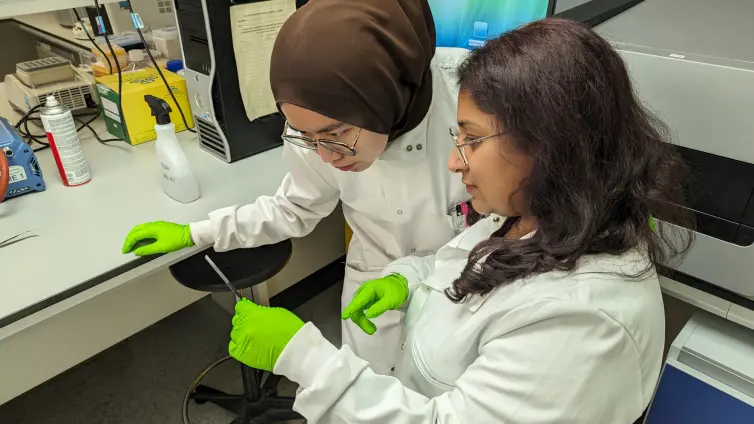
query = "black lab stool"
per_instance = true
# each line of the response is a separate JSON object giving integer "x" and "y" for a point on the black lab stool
{"x": 246, "y": 269}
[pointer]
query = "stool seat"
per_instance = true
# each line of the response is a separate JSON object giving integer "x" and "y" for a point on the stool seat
{"x": 244, "y": 268}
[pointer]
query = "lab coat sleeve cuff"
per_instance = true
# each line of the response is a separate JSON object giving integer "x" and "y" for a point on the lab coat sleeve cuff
{"x": 406, "y": 270}
{"x": 414, "y": 269}
{"x": 305, "y": 356}
{"x": 201, "y": 233}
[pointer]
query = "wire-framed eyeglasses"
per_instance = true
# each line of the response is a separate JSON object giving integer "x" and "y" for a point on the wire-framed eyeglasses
{"x": 455, "y": 134}
{"x": 297, "y": 139}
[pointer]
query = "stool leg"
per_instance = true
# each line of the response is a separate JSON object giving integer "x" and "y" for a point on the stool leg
{"x": 260, "y": 295}
{"x": 225, "y": 300}
{"x": 270, "y": 386}
{"x": 276, "y": 415}
{"x": 231, "y": 403}
{"x": 280, "y": 402}
{"x": 251, "y": 388}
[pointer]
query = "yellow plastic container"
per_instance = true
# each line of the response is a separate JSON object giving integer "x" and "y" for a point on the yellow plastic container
{"x": 101, "y": 66}
{"x": 138, "y": 117}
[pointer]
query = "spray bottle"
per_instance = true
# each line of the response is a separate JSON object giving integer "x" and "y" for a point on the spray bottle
{"x": 178, "y": 180}
{"x": 64, "y": 142}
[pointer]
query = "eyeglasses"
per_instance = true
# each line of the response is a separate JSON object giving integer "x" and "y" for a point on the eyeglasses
{"x": 455, "y": 134}
{"x": 296, "y": 138}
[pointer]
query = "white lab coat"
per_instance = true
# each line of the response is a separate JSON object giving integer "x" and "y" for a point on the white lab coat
{"x": 580, "y": 348}
{"x": 397, "y": 207}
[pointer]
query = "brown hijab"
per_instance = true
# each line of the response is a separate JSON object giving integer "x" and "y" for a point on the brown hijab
{"x": 362, "y": 62}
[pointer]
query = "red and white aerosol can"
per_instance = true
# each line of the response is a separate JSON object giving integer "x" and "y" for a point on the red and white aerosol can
{"x": 64, "y": 142}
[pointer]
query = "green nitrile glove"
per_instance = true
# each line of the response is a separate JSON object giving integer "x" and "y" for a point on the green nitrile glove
{"x": 374, "y": 298}
{"x": 260, "y": 334}
{"x": 168, "y": 238}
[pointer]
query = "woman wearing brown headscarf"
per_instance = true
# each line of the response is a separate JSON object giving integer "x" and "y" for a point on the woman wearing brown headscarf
{"x": 368, "y": 104}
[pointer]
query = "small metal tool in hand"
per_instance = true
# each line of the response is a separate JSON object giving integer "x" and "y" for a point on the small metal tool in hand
{"x": 222, "y": 276}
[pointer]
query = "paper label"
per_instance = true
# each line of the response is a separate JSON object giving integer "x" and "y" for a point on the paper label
{"x": 254, "y": 27}
{"x": 16, "y": 174}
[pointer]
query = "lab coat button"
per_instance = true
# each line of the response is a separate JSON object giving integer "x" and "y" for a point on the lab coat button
{"x": 419, "y": 147}
{"x": 400, "y": 212}
{"x": 496, "y": 219}
{"x": 409, "y": 148}
{"x": 413, "y": 250}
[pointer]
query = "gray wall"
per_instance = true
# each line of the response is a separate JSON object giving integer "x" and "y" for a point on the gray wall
{"x": 18, "y": 46}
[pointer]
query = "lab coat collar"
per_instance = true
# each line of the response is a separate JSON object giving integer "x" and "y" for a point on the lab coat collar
{"x": 456, "y": 254}
{"x": 476, "y": 234}
{"x": 492, "y": 224}
{"x": 411, "y": 146}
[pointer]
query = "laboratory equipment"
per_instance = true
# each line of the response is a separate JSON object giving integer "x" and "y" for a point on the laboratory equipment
{"x": 469, "y": 23}
{"x": 44, "y": 71}
{"x": 130, "y": 97}
{"x": 82, "y": 30}
{"x": 178, "y": 180}
{"x": 222, "y": 276}
{"x": 212, "y": 79}
{"x": 174, "y": 66}
{"x": 63, "y": 136}
{"x": 708, "y": 377}
{"x": 110, "y": 62}
{"x": 166, "y": 42}
{"x": 117, "y": 17}
{"x": 67, "y": 17}
{"x": 692, "y": 63}
{"x": 19, "y": 170}
{"x": 138, "y": 59}
{"x": 44, "y": 78}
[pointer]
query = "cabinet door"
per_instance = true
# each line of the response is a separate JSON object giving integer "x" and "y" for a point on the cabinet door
{"x": 681, "y": 398}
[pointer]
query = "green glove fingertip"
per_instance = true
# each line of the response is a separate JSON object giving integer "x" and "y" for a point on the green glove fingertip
{"x": 363, "y": 322}
{"x": 168, "y": 237}
{"x": 244, "y": 305}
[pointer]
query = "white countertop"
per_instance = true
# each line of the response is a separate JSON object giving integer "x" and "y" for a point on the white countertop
{"x": 81, "y": 229}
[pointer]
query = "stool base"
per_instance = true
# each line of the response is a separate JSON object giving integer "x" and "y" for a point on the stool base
{"x": 259, "y": 404}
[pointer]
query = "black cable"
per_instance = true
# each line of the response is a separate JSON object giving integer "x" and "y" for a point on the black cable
{"x": 86, "y": 124}
{"x": 24, "y": 121}
{"x": 159, "y": 71}
{"x": 25, "y": 132}
{"x": 120, "y": 74}
{"x": 78, "y": 17}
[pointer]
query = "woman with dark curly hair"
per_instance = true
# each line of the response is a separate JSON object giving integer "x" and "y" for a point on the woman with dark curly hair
{"x": 548, "y": 310}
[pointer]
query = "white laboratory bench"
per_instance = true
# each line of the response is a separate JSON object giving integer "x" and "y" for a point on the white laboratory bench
{"x": 69, "y": 293}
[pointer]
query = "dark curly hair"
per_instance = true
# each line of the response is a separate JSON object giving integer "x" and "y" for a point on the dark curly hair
{"x": 601, "y": 162}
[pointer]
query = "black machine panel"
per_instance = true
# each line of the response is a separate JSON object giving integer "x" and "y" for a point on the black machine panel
{"x": 193, "y": 35}
{"x": 245, "y": 137}
{"x": 720, "y": 194}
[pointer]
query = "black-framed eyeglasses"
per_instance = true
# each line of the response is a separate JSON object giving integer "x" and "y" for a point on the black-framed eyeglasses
{"x": 455, "y": 134}
{"x": 297, "y": 139}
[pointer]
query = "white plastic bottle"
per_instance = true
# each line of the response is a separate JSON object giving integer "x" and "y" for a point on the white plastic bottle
{"x": 178, "y": 180}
